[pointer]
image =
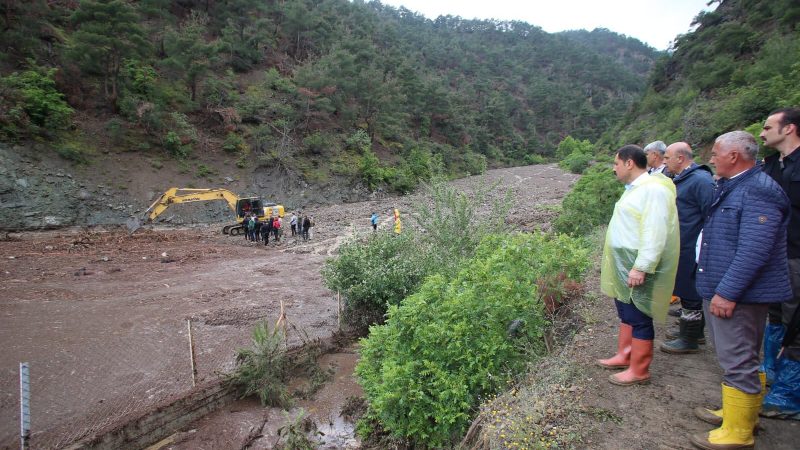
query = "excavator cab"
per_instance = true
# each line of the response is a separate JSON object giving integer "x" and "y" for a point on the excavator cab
{"x": 247, "y": 206}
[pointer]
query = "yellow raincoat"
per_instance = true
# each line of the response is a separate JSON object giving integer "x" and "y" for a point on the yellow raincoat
{"x": 643, "y": 234}
{"x": 398, "y": 225}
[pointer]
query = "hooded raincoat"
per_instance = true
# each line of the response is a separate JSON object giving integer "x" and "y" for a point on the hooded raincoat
{"x": 643, "y": 234}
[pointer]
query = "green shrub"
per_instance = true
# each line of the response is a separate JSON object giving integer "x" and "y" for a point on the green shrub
{"x": 235, "y": 143}
{"x": 374, "y": 273}
{"x": 263, "y": 369}
{"x": 590, "y": 203}
{"x": 474, "y": 163}
{"x": 204, "y": 171}
{"x": 576, "y": 162}
{"x": 570, "y": 145}
{"x": 31, "y": 104}
{"x": 371, "y": 170}
{"x": 115, "y": 127}
{"x": 383, "y": 269}
{"x": 72, "y": 152}
{"x": 316, "y": 143}
{"x": 533, "y": 158}
{"x": 173, "y": 144}
{"x": 359, "y": 141}
{"x": 459, "y": 340}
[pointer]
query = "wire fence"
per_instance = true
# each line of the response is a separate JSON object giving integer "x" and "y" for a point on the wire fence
{"x": 69, "y": 417}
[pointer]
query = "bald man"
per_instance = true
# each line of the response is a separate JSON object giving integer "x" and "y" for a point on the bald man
{"x": 695, "y": 192}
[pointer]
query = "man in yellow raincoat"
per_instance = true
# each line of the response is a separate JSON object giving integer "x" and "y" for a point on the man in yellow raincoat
{"x": 398, "y": 225}
{"x": 640, "y": 259}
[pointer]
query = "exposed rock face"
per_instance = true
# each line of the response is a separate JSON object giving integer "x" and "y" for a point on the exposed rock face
{"x": 39, "y": 191}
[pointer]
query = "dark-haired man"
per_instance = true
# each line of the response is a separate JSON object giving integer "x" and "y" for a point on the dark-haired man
{"x": 640, "y": 258}
{"x": 782, "y": 132}
{"x": 742, "y": 268}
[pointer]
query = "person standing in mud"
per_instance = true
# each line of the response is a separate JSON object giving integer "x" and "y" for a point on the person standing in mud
{"x": 695, "y": 192}
{"x": 293, "y": 224}
{"x": 306, "y": 227}
{"x": 257, "y": 229}
{"x": 742, "y": 269}
{"x": 266, "y": 230}
{"x": 374, "y": 221}
{"x": 640, "y": 258}
{"x": 276, "y": 228}
{"x": 398, "y": 224}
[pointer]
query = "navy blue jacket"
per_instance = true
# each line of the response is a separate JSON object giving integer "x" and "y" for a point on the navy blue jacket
{"x": 743, "y": 255}
{"x": 695, "y": 188}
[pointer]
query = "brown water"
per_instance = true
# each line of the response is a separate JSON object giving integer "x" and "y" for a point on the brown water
{"x": 247, "y": 424}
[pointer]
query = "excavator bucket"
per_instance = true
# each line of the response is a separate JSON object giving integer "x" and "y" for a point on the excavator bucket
{"x": 133, "y": 223}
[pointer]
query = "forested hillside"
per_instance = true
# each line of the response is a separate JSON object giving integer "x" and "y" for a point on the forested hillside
{"x": 319, "y": 88}
{"x": 741, "y": 62}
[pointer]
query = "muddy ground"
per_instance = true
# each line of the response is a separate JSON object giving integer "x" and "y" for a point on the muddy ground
{"x": 101, "y": 316}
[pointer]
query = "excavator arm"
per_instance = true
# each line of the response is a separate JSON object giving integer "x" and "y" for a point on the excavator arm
{"x": 181, "y": 195}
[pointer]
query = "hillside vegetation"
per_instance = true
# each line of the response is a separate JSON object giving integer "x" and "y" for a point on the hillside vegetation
{"x": 739, "y": 63}
{"x": 319, "y": 88}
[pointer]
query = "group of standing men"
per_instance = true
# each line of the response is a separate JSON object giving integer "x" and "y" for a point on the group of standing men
{"x": 257, "y": 231}
{"x": 730, "y": 249}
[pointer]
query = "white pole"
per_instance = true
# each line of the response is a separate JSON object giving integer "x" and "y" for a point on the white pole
{"x": 339, "y": 310}
{"x": 24, "y": 405}
{"x": 191, "y": 352}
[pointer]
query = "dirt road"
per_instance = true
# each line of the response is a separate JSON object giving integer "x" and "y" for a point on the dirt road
{"x": 101, "y": 315}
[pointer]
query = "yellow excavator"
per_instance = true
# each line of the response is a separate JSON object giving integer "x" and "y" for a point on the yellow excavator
{"x": 243, "y": 207}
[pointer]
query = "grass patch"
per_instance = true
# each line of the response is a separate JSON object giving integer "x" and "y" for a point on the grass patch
{"x": 542, "y": 411}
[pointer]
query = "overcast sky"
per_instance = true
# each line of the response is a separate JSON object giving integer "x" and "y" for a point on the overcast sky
{"x": 655, "y": 22}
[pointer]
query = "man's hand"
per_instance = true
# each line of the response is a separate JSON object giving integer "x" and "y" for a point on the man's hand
{"x": 721, "y": 307}
{"x": 635, "y": 278}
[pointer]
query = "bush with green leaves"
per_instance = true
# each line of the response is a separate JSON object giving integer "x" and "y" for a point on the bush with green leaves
{"x": 31, "y": 104}
{"x": 576, "y": 162}
{"x": 263, "y": 369}
{"x": 235, "y": 143}
{"x": 575, "y": 155}
{"x": 460, "y": 339}
{"x": 373, "y": 273}
{"x": 382, "y": 269}
{"x": 570, "y": 145}
{"x": 590, "y": 203}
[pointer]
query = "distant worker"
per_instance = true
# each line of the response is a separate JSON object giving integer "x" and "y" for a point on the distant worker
{"x": 374, "y": 221}
{"x": 782, "y": 132}
{"x": 306, "y": 227}
{"x": 742, "y": 268}
{"x": 266, "y": 230}
{"x": 249, "y": 227}
{"x": 300, "y": 223}
{"x": 398, "y": 224}
{"x": 257, "y": 229}
{"x": 655, "y": 158}
{"x": 276, "y": 228}
{"x": 293, "y": 223}
{"x": 311, "y": 226}
{"x": 640, "y": 259}
{"x": 695, "y": 192}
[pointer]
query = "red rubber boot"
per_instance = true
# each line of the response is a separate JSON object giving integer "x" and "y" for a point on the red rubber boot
{"x": 622, "y": 358}
{"x": 639, "y": 370}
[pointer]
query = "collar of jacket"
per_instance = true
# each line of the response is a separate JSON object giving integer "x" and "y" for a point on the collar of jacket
{"x": 688, "y": 170}
{"x": 725, "y": 185}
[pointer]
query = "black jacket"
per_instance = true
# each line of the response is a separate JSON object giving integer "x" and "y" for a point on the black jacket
{"x": 791, "y": 185}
